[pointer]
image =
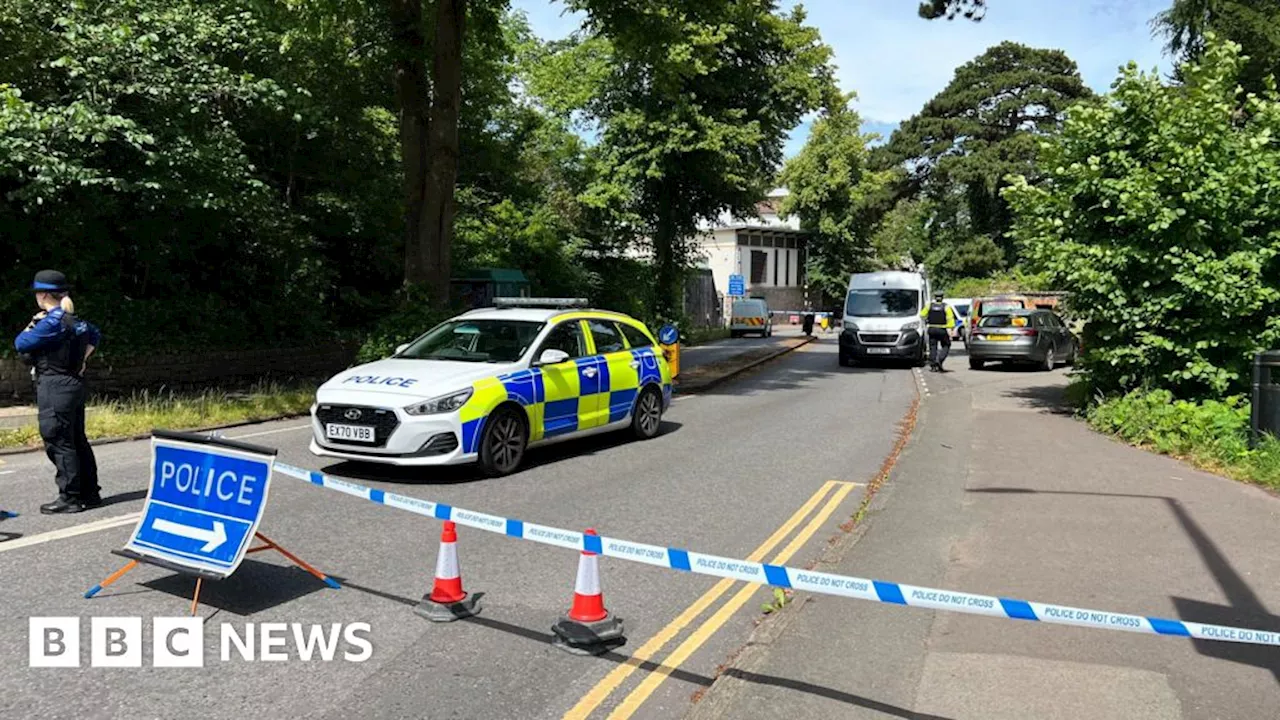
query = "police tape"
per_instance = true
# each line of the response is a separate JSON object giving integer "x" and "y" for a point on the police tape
{"x": 793, "y": 578}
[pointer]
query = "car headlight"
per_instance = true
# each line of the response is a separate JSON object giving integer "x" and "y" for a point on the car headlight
{"x": 442, "y": 404}
{"x": 912, "y": 325}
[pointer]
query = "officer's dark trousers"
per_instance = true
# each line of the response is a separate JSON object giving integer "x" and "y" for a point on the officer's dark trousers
{"x": 61, "y": 400}
{"x": 939, "y": 345}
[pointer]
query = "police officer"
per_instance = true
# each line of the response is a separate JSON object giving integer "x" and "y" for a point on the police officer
{"x": 57, "y": 345}
{"x": 940, "y": 318}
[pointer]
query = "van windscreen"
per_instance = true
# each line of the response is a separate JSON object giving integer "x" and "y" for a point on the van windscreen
{"x": 882, "y": 302}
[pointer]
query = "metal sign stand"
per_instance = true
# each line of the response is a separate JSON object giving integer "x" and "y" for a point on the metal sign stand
{"x": 268, "y": 544}
{"x": 172, "y": 532}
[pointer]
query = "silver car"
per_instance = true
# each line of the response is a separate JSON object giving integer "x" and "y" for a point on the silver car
{"x": 1024, "y": 336}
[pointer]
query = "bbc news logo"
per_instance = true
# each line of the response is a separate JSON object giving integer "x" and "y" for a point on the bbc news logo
{"x": 179, "y": 642}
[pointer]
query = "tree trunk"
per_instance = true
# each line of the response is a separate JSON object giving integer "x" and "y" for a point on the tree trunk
{"x": 667, "y": 271}
{"x": 436, "y": 224}
{"x": 409, "y": 50}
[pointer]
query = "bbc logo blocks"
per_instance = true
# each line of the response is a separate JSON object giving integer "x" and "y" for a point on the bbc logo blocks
{"x": 115, "y": 642}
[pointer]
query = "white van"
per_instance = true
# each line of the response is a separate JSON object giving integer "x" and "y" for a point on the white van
{"x": 882, "y": 317}
{"x": 750, "y": 316}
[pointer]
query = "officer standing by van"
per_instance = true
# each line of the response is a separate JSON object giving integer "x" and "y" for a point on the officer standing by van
{"x": 940, "y": 318}
{"x": 57, "y": 345}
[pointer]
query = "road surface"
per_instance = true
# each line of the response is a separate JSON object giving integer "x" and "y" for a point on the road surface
{"x": 769, "y": 463}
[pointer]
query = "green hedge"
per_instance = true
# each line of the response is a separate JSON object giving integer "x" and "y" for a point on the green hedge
{"x": 1213, "y": 434}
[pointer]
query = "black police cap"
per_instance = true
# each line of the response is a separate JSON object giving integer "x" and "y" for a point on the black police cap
{"x": 50, "y": 281}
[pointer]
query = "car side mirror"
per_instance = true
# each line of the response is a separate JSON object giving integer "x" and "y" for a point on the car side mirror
{"x": 402, "y": 348}
{"x": 552, "y": 356}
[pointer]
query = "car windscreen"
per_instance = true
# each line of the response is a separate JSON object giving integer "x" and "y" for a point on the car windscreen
{"x": 495, "y": 341}
{"x": 882, "y": 302}
{"x": 998, "y": 305}
{"x": 962, "y": 310}
{"x": 1000, "y": 321}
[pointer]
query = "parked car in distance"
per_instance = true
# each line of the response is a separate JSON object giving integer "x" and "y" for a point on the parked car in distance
{"x": 1025, "y": 336}
{"x": 750, "y": 316}
{"x": 961, "y": 306}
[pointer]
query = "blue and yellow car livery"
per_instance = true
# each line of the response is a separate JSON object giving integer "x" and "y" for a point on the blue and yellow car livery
{"x": 596, "y": 392}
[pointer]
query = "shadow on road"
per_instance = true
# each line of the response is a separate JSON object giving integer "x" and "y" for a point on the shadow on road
{"x": 461, "y": 474}
{"x": 256, "y": 586}
{"x": 547, "y": 638}
{"x": 1049, "y": 398}
{"x": 1246, "y": 608}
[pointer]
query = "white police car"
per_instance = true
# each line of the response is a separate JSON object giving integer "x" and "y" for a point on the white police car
{"x": 485, "y": 385}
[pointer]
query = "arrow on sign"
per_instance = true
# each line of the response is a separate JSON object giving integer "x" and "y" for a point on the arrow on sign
{"x": 213, "y": 539}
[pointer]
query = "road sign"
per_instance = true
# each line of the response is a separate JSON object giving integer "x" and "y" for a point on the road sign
{"x": 737, "y": 286}
{"x": 668, "y": 335}
{"x": 204, "y": 503}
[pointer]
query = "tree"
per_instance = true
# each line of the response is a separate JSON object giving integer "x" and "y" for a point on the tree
{"x": 1253, "y": 24}
{"x": 982, "y": 127}
{"x": 700, "y": 96}
{"x": 830, "y": 186}
{"x": 973, "y": 10}
{"x": 429, "y": 135}
{"x": 1160, "y": 214}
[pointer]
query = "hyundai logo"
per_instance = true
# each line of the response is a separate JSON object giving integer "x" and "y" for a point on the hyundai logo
{"x": 352, "y": 414}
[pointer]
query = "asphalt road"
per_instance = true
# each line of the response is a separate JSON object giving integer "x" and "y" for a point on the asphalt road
{"x": 769, "y": 463}
{"x": 724, "y": 349}
{"x": 1000, "y": 492}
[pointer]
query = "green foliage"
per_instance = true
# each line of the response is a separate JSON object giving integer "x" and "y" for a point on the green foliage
{"x": 413, "y": 314}
{"x": 1214, "y": 433}
{"x": 780, "y": 600}
{"x": 1007, "y": 282}
{"x": 958, "y": 150}
{"x": 699, "y": 97}
{"x": 831, "y": 189}
{"x": 973, "y": 10}
{"x": 1160, "y": 216}
{"x": 1253, "y": 24}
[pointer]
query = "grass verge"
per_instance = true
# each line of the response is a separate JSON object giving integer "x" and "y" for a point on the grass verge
{"x": 1212, "y": 435}
{"x": 145, "y": 411}
{"x": 700, "y": 336}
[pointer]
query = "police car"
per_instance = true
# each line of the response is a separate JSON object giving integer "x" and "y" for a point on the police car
{"x": 487, "y": 384}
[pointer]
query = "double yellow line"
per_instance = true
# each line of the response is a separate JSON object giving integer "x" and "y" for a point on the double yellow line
{"x": 632, "y": 702}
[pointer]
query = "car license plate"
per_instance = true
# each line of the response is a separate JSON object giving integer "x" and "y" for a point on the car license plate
{"x": 356, "y": 433}
{"x": 878, "y": 351}
{"x": 999, "y": 337}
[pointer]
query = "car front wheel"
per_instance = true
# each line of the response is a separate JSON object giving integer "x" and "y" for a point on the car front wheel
{"x": 647, "y": 417}
{"x": 505, "y": 437}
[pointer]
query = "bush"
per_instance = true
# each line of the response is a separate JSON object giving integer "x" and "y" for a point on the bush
{"x": 1159, "y": 215}
{"x": 414, "y": 315}
{"x": 1213, "y": 434}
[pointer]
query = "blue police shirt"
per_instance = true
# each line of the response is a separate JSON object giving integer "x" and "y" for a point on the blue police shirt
{"x": 50, "y": 331}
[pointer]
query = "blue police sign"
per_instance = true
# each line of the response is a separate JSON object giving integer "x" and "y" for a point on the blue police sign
{"x": 668, "y": 335}
{"x": 737, "y": 286}
{"x": 204, "y": 504}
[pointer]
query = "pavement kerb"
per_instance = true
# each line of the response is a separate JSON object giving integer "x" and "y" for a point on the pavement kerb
{"x": 710, "y": 383}
{"x": 712, "y": 701}
{"x": 730, "y": 374}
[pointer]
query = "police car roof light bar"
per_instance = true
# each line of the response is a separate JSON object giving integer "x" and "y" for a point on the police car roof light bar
{"x": 546, "y": 302}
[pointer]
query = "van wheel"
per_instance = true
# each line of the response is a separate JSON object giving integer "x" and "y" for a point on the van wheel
{"x": 506, "y": 435}
{"x": 646, "y": 418}
{"x": 735, "y": 334}
{"x": 975, "y": 364}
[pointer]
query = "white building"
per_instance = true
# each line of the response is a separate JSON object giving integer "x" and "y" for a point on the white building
{"x": 768, "y": 251}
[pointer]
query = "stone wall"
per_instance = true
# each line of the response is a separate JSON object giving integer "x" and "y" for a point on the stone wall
{"x": 189, "y": 372}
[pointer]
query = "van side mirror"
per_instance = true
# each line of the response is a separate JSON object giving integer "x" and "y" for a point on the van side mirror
{"x": 551, "y": 356}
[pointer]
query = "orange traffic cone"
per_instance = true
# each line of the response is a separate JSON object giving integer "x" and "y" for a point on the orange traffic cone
{"x": 447, "y": 601}
{"x": 588, "y": 628}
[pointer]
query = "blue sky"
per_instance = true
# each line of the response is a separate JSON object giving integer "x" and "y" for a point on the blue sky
{"x": 895, "y": 61}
